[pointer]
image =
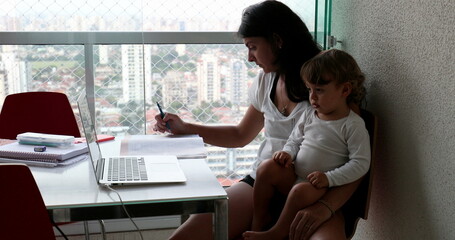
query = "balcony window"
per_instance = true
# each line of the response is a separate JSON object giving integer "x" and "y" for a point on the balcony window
{"x": 129, "y": 54}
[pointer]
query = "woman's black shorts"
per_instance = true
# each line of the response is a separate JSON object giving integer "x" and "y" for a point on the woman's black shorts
{"x": 248, "y": 180}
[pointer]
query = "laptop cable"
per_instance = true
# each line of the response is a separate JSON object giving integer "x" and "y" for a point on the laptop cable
{"x": 59, "y": 230}
{"x": 124, "y": 209}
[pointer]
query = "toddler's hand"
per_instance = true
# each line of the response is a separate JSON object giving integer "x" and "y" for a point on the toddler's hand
{"x": 318, "y": 179}
{"x": 282, "y": 158}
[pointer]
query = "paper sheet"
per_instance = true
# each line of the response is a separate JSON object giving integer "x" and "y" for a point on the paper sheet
{"x": 183, "y": 146}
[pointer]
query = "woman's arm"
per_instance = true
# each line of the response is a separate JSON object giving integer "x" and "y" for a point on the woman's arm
{"x": 308, "y": 220}
{"x": 336, "y": 197}
{"x": 222, "y": 136}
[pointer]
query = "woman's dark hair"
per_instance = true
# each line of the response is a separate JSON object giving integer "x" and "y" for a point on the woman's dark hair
{"x": 270, "y": 19}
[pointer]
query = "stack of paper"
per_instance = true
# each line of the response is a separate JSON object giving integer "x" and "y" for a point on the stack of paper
{"x": 183, "y": 146}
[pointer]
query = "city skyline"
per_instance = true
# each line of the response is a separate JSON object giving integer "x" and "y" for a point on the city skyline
{"x": 21, "y": 74}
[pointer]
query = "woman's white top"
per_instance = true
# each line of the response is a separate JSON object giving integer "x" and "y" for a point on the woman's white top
{"x": 339, "y": 148}
{"x": 277, "y": 127}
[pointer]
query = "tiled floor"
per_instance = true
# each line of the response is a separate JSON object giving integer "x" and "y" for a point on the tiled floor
{"x": 160, "y": 234}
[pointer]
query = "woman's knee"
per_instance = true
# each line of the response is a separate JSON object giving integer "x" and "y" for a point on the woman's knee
{"x": 240, "y": 207}
{"x": 333, "y": 229}
{"x": 197, "y": 225}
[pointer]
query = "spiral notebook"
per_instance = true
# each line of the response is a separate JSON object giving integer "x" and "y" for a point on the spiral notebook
{"x": 52, "y": 154}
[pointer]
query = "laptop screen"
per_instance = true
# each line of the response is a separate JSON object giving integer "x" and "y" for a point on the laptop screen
{"x": 90, "y": 133}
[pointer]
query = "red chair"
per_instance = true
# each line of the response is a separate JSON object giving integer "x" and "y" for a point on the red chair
{"x": 41, "y": 112}
{"x": 23, "y": 213}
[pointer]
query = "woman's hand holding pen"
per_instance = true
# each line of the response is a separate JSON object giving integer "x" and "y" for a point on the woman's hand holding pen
{"x": 176, "y": 124}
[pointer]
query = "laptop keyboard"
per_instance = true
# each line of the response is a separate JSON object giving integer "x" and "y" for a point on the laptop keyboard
{"x": 126, "y": 169}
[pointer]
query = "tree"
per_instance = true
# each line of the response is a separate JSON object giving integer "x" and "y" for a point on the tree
{"x": 133, "y": 117}
{"x": 204, "y": 113}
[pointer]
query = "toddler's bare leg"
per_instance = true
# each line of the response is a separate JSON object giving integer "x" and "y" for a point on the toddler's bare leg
{"x": 300, "y": 196}
{"x": 240, "y": 207}
{"x": 270, "y": 179}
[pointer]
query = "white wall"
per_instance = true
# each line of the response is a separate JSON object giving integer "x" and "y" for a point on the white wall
{"x": 406, "y": 49}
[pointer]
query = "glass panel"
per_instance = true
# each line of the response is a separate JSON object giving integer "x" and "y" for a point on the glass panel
{"x": 57, "y": 68}
{"x": 203, "y": 83}
{"x": 132, "y": 15}
{"x": 119, "y": 89}
{"x": 70, "y": 15}
{"x": 323, "y": 21}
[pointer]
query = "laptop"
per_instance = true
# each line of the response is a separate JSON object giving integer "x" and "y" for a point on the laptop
{"x": 126, "y": 170}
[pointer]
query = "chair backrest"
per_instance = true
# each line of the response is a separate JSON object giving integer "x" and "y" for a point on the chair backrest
{"x": 41, "y": 112}
{"x": 357, "y": 206}
{"x": 23, "y": 213}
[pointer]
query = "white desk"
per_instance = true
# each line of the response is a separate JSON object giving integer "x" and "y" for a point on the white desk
{"x": 71, "y": 194}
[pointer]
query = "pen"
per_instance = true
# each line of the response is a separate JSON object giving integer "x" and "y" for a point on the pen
{"x": 162, "y": 115}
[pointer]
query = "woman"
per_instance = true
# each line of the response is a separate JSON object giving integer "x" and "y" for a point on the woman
{"x": 278, "y": 42}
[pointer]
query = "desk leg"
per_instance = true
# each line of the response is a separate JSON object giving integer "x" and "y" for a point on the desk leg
{"x": 86, "y": 230}
{"x": 220, "y": 220}
{"x": 103, "y": 229}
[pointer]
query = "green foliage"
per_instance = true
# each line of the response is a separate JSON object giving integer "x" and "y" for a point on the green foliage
{"x": 204, "y": 113}
{"x": 133, "y": 117}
